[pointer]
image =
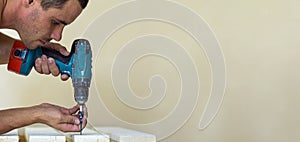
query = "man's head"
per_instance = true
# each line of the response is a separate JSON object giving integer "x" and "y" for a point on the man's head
{"x": 44, "y": 20}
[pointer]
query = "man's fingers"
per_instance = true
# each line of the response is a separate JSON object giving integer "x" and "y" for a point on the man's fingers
{"x": 45, "y": 68}
{"x": 58, "y": 48}
{"x": 43, "y": 65}
{"x": 71, "y": 119}
{"x": 64, "y": 77}
{"x": 73, "y": 110}
{"x": 63, "y": 51}
{"x": 52, "y": 67}
{"x": 38, "y": 65}
{"x": 84, "y": 122}
{"x": 85, "y": 111}
{"x": 46, "y": 65}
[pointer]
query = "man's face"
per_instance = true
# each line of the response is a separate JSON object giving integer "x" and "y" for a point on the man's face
{"x": 40, "y": 26}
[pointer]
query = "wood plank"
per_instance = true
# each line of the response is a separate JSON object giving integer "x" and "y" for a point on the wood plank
{"x": 88, "y": 135}
{"x": 11, "y": 136}
{"x": 118, "y": 134}
{"x": 43, "y": 134}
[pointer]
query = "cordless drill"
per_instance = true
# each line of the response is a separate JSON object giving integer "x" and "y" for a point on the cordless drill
{"x": 77, "y": 65}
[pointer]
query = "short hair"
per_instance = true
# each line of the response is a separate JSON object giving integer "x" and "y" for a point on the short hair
{"x": 46, "y": 4}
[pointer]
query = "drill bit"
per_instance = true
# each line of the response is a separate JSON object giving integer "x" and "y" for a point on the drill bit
{"x": 80, "y": 114}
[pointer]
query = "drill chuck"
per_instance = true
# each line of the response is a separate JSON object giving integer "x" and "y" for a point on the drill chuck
{"x": 81, "y": 90}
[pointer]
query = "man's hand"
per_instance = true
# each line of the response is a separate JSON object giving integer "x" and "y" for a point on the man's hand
{"x": 61, "y": 118}
{"x": 47, "y": 66}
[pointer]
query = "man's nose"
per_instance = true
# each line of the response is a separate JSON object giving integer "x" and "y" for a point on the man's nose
{"x": 57, "y": 33}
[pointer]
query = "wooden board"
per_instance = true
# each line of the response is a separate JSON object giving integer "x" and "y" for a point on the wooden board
{"x": 43, "y": 134}
{"x": 11, "y": 136}
{"x": 118, "y": 134}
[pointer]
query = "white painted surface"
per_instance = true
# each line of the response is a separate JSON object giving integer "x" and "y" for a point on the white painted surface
{"x": 43, "y": 134}
{"x": 88, "y": 135}
{"x": 126, "y": 135}
{"x": 11, "y": 136}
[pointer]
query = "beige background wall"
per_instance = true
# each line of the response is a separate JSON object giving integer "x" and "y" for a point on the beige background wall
{"x": 260, "y": 43}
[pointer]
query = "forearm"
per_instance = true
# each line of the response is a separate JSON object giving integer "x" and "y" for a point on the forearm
{"x": 18, "y": 117}
{"x": 6, "y": 44}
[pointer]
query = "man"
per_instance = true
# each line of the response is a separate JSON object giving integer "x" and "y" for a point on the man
{"x": 38, "y": 22}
